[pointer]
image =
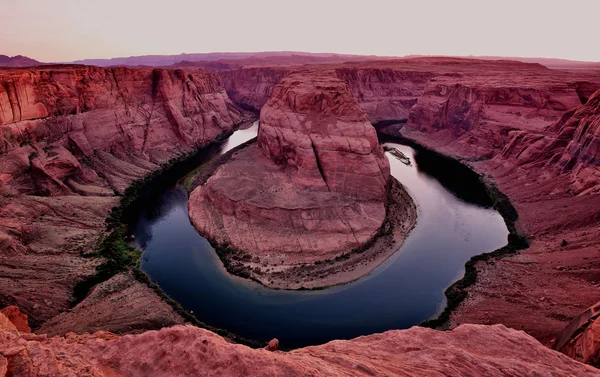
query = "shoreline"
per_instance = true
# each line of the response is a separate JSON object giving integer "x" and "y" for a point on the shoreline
{"x": 458, "y": 291}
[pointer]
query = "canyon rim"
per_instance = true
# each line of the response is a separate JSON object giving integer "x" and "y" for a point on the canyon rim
{"x": 267, "y": 213}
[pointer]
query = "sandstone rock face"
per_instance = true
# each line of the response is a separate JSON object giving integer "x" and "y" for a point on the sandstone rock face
{"x": 585, "y": 346}
{"x": 313, "y": 125}
{"x": 313, "y": 187}
{"x": 253, "y": 86}
{"x": 582, "y": 153}
{"x": 119, "y": 305}
{"x": 71, "y": 137}
{"x": 476, "y": 113}
{"x": 470, "y": 350}
{"x": 385, "y": 93}
{"x": 18, "y": 319}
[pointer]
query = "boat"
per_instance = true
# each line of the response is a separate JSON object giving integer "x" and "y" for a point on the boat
{"x": 398, "y": 154}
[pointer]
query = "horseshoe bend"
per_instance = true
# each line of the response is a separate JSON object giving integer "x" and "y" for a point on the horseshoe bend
{"x": 299, "y": 214}
{"x": 313, "y": 188}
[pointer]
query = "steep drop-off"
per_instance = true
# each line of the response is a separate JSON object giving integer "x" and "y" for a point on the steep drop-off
{"x": 73, "y": 137}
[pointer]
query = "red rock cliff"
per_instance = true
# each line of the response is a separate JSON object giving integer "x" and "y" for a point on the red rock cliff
{"x": 313, "y": 187}
{"x": 70, "y": 138}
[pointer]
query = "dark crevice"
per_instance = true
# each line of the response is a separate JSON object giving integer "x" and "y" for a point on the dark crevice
{"x": 319, "y": 164}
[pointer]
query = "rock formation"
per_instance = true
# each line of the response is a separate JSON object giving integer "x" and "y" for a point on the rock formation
{"x": 71, "y": 138}
{"x": 314, "y": 186}
{"x": 469, "y": 350}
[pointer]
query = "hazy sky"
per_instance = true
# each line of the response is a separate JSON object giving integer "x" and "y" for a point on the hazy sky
{"x": 65, "y": 30}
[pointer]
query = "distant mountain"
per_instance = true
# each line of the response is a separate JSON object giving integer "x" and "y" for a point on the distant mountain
{"x": 279, "y": 57}
{"x": 17, "y": 61}
{"x": 552, "y": 63}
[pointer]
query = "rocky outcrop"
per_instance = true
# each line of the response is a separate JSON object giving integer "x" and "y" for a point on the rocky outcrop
{"x": 71, "y": 139}
{"x": 571, "y": 145}
{"x": 18, "y": 319}
{"x": 313, "y": 125}
{"x": 314, "y": 186}
{"x": 581, "y": 155}
{"x": 120, "y": 305}
{"x": 580, "y": 340}
{"x": 469, "y": 350}
{"x": 475, "y": 114}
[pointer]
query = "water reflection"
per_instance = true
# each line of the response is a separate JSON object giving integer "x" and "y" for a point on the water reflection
{"x": 407, "y": 289}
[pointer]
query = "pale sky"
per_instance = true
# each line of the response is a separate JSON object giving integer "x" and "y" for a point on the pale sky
{"x": 66, "y": 30}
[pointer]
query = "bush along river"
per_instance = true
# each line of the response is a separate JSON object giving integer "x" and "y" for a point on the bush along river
{"x": 455, "y": 222}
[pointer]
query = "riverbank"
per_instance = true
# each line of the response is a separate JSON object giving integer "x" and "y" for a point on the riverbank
{"x": 517, "y": 240}
{"x": 118, "y": 296}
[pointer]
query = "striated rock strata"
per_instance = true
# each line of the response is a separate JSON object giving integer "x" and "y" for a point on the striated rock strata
{"x": 313, "y": 187}
{"x": 469, "y": 350}
{"x": 543, "y": 155}
{"x": 71, "y": 139}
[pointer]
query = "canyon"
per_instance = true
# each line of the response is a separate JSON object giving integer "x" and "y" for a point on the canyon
{"x": 75, "y": 137}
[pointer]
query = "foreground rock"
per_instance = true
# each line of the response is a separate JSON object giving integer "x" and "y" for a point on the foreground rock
{"x": 314, "y": 187}
{"x": 469, "y": 350}
{"x": 72, "y": 138}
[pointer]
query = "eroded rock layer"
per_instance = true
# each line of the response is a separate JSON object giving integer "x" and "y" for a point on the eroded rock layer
{"x": 314, "y": 185}
{"x": 71, "y": 139}
{"x": 545, "y": 160}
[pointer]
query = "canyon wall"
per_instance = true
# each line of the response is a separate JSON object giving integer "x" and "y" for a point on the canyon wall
{"x": 253, "y": 86}
{"x": 73, "y": 137}
{"x": 530, "y": 135}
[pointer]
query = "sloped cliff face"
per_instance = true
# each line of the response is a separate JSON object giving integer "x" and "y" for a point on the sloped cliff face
{"x": 475, "y": 114}
{"x": 314, "y": 186}
{"x": 53, "y": 119}
{"x": 253, "y": 86}
{"x": 582, "y": 153}
{"x": 385, "y": 93}
{"x": 469, "y": 350}
{"x": 570, "y": 145}
{"x": 72, "y": 137}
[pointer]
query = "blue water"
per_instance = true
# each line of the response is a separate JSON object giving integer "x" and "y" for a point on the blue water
{"x": 407, "y": 289}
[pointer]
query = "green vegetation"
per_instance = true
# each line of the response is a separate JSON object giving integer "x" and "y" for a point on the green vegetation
{"x": 191, "y": 177}
{"x": 118, "y": 256}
